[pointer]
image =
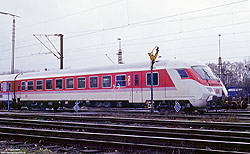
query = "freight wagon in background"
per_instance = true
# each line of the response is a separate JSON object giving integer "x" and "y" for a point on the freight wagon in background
{"x": 178, "y": 85}
{"x": 238, "y": 96}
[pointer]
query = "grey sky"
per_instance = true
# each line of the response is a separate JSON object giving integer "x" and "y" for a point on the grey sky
{"x": 182, "y": 29}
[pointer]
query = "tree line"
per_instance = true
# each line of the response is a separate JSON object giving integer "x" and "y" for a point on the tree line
{"x": 233, "y": 73}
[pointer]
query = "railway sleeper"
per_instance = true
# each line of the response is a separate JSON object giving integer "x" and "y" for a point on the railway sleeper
{"x": 133, "y": 139}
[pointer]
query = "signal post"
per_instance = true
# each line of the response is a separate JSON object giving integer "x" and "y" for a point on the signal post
{"x": 153, "y": 58}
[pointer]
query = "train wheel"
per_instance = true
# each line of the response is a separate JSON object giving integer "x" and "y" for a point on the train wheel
{"x": 243, "y": 104}
{"x": 208, "y": 105}
{"x": 98, "y": 104}
{"x": 233, "y": 105}
{"x": 214, "y": 105}
{"x": 107, "y": 104}
{"x": 119, "y": 104}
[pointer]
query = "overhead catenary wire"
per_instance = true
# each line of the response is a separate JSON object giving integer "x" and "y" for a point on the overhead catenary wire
{"x": 189, "y": 38}
{"x": 68, "y": 15}
{"x": 170, "y": 16}
{"x": 88, "y": 32}
{"x": 170, "y": 40}
{"x": 113, "y": 28}
{"x": 193, "y": 11}
{"x": 100, "y": 55}
{"x": 168, "y": 34}
{"x": 140, "y": 22}
{"x": 180, "y": 39}
{"x": 94, "y": 47}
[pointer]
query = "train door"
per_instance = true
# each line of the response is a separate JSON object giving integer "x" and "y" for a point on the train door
{"x": 136, "y": 87}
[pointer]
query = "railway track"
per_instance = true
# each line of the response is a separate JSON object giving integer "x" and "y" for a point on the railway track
{"x": 213, "y": 116}
{"x": 133, "y": 121}
{"x": 243, "y": 115}
{"x": 123, "y": 137}
{"x": 129, "y": 133}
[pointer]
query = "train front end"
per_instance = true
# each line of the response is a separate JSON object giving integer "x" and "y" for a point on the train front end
{"x": 213, "y": 90}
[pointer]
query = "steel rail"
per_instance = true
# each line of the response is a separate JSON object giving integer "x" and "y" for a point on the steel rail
{"x": 183, "y": 123}
{"x": 108, "y": 144}
{"x": 239, "y": 115}
{"x": 137, "y": 130}
{"x": 159, "y": 143}
{"x": 149, "y": 131}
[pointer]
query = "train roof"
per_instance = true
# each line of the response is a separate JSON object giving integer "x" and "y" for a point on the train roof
{"x": 169, "y": 64}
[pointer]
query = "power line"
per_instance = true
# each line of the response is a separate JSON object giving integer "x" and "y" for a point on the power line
{"x": 194, "y": 11}
{"x": 180, "y": 39}
{"x": 112, "y": 28}
{"x": 188, "y": 31}
{"x": 225, "y": 58}
{"x": 193, "y": 18}
{"x": 147, "y": 21}
{"x": 138, "y": 43}
{"x": 88, "y": 32}
{"x": 68, "y": 15}
{"x": 168, "y": 34}
{"x": 74, "y": 59}
{"x": 93, "y": 47}
{"x": 24, "y": 46}
{"x": 188, "y": 38}
{"x": 135, "y": 24}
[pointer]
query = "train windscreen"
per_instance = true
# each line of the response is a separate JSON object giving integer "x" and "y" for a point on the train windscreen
{"x": 205, "y": 72}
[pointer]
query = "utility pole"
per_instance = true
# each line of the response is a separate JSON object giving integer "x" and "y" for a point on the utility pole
{"x": 120, "y": 52}
{"x": 61, "y": 50}
{"x": 153, "y": 58}
{"x": 220, "y": 60}
{"x": 60, "y": 57}
{"x": 13, "y": 40}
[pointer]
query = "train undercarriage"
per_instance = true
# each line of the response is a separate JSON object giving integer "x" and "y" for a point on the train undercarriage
{"x": 159, "y": 105}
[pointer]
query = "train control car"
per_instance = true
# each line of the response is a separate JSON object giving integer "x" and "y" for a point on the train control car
{"x": 177, "y": 84}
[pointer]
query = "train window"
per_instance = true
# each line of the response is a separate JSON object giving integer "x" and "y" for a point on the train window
{"x": 106, "y": 81}
{"x": 120, "y": 81}
{"x": 30, "y": 85}
{"x": 48, "y": 84}
{"x": 4, "y": 86}
{"x": 39, "y": 85}
{"x": 81, "y": 82}
{"x": 9, "y": 86}
{"x": 93, "y": 82}
{"x": 19, "y": 86}
{"x": 155, "y": 79}
{"x": 205, "y": 72}
{"x": 136, "y": 80}
{"x": 23, "y": 85}
{"x": 69, "y": 83}
{"x": 59, "y": 83}
{"x": 183, "y": 73}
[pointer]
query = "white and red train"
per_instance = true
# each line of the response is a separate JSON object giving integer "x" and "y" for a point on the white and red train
{"x": 186, "y": 84}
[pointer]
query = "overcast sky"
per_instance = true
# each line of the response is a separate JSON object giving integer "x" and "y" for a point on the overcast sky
{"x": 185, "y": 29}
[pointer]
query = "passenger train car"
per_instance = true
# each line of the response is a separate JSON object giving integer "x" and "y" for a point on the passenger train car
{"x": 177, "y": 84}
